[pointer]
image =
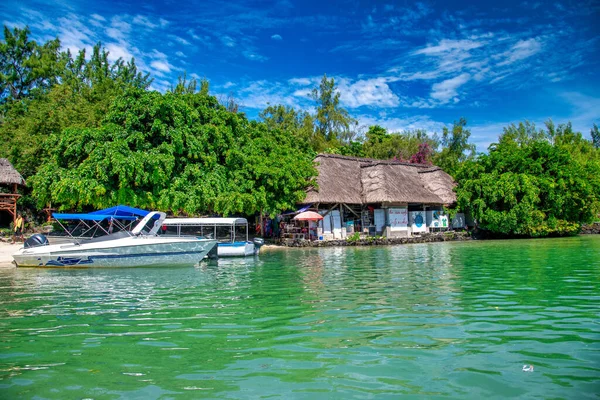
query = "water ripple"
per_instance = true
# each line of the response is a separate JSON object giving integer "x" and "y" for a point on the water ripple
{"x": 452, "y": 320}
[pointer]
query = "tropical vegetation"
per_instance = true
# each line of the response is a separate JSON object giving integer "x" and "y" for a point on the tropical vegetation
{"x": 87, "y": 132}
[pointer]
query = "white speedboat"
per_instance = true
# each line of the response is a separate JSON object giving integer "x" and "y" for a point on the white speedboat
{"x": 142, "y": 246}
{"x": 232, "y": 234}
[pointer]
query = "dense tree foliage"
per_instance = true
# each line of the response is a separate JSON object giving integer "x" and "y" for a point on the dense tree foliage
{"x": 45, "y": 91}
{"x": 299, "y": 124}
{"x": 26, "y": 66}
{"x": 174, "y": 152}
{"x": 532, "y": 183}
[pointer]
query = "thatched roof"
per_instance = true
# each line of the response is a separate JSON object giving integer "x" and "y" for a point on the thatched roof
{"x": 339, "y": 181}
{"x": 440, "y": 183}
{"x": 8, "y": 174}
{"x": 353, "y": 180}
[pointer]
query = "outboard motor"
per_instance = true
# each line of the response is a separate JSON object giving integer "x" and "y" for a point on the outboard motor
{"x": 36, "y": 240}
{"x": 213, "y": 253}
{"x": 258, "y": 242}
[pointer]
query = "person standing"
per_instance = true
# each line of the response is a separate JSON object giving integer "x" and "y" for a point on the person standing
{"x": 19, "y": 225}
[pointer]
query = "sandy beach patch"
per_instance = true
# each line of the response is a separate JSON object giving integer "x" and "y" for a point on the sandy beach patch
{"x": 6, "y": 252}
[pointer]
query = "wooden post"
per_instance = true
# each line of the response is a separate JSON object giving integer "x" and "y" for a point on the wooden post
{"x": 15, "y": 206}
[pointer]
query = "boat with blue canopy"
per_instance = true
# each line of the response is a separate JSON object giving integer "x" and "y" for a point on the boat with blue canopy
{"x": 139, "y": 246}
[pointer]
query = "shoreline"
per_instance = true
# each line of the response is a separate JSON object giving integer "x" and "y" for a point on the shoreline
{"x": 447, "y": 236}
{"x": 6, "y": 252}
{"x": 7, "y": 249}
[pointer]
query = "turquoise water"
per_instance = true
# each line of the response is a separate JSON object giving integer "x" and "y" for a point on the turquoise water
{"x": 443, "y": 320}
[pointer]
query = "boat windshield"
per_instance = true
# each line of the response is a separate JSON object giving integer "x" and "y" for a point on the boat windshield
{"x": 112, "y": 236}
{"x": 150, "y": 224}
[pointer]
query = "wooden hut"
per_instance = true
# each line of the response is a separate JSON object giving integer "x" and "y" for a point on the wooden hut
{"x": 384, "y": 197}
{"x": 11, "y": 179}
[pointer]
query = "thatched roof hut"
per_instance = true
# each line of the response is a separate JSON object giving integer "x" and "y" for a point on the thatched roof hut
{"x": 353, "y": 180}
{"x": 9, "y": 175}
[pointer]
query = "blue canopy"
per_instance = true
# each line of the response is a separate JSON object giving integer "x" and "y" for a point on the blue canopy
{"x": 122, "y": 211}
{"x": 116, "y": 212}
{"x": 90, "y": 217}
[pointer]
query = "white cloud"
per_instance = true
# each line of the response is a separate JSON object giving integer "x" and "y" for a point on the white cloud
{"x": 227, "y": 41}
{"x": 521, "y": 50}
{"x": 447, "y": 90}
{"x": 398, "y": 124}
{"x": 157, "y": 54}
{"x": 98, "y": 17}
{"x": 144, "y": 21}
{"x": 583, "y": 111}
{"x": 96, "y": 23}
{"x": 75, "y": 35}
{"x": 227, "y": 85}
{"x": 253, "y": 56}
{"x": 119, "y": 29}
{"x": 161, "y": 65}
{"x": 180, "y": 54}
{"x": 370, "y": 92}
{"x": 483, "y": 135}
{"x": 303, "y": 93}
{"x": 276, "y": 37}
{"x": 116, "y": 51}
{"x": 373, "y": 92}
{"x": 301, "y": 81}
{"x": 180, "y": 40}
{"x": 259, "y": 94}
{"x": 192, "y": 33}
{"x": 160, "y": 85}
{"x": 446, "y": 45}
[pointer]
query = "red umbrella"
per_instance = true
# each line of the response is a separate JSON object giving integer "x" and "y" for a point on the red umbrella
{"x": 308, "y": 216}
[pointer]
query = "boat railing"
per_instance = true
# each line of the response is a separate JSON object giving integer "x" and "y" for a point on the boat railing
{"x": 225, "y": 230}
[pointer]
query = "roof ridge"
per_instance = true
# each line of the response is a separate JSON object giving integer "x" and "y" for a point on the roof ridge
{"x": 372, "y": 161}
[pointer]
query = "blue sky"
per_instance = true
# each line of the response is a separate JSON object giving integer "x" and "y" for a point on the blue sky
{"x": 399, "y": 64}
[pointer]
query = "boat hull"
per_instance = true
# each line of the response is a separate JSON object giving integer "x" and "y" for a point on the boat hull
{"x": 237, "y": 249}
{"x": 129, "y": 252}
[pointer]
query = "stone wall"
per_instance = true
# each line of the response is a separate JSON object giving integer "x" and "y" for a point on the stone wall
{"x": 372, "y": 241}
{"x": 591, "y": 229}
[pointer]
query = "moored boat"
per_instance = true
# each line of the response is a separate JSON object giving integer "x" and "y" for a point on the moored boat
{"x": 142, "y": 246}
{"x": 231, "y": 233}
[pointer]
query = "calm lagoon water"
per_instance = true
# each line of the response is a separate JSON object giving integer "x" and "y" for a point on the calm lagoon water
{"x": 444, "y": 320}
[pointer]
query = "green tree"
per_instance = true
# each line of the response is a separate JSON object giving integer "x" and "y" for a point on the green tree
{"x": 333, "y": 122}
{"x": 25, "y": 66}
{"x": 399, "y": 145}
{"x": 297, "y": 123}
{"x": 595, "y": 133}
{"x": 455, "y": 147}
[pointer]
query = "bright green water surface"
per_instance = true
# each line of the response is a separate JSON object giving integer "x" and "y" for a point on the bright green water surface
{"x": 444, "y": 320}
